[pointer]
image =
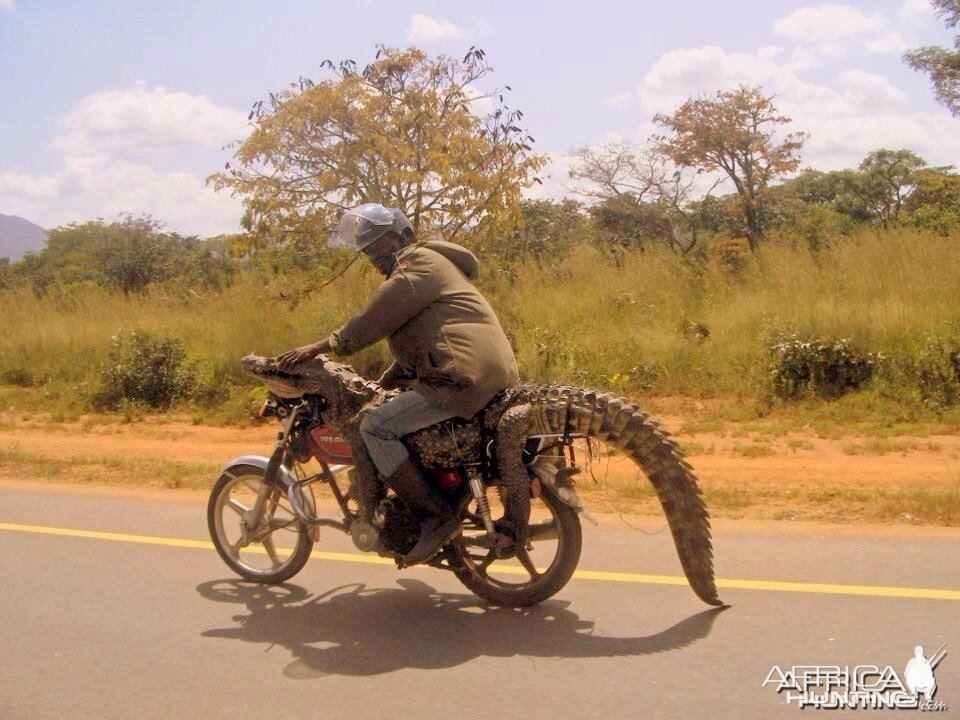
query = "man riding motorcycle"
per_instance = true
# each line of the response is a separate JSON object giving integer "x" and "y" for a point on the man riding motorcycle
{"x": 448, "y": 348}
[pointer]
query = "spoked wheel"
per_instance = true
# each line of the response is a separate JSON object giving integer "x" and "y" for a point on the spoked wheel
{"x": 520, "y": 577}
{"x": 273, "y": 551}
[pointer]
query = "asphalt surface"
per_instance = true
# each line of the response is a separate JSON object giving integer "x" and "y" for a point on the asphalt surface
{"x": 117, "y": 627}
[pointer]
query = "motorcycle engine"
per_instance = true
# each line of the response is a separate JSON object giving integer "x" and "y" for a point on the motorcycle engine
{"x": 399, "y": 528}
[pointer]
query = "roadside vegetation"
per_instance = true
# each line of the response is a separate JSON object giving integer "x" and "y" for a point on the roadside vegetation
{"x": 706, "y": 274}
{"x": 865, "y": 331}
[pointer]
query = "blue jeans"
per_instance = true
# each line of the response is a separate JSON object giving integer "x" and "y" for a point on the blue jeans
{"x": 382, "y": 428}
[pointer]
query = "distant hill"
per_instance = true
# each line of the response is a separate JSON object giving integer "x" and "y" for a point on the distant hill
{"x": 18, "y": 236}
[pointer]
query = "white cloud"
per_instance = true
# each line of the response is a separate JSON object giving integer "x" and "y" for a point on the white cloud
{"x": 846, "y": 119}
{"x": 101, "y": 143}
{"x": 140, "y": 121}
{"x": 93, "y": 187}
{"x": 8, "y": 6}
{"x": 96, "y": 186}
{"x": 829, "y": 23}
{"x": 891, "y": 42}
{"x": 618, "y": 100}
{"x": 831, "y": 31}
{"x": 424, "y": 28}
{"x": 870, "y": 91}
{"x": 29, "y": 186}
{"x": 680, "y": 74}
{"x": 180, "y": 199}
{"x": 916, "y": 10}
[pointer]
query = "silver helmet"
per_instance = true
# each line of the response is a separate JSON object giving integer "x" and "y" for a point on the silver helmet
{"x": 369, "y": 222}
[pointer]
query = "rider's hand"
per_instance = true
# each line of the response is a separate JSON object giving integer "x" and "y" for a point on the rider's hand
{"x": 298, "y": 355}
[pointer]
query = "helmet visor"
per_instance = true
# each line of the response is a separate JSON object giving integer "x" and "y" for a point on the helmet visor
{"x": 363, "y": 225}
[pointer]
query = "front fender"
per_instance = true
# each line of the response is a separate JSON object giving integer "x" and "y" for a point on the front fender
{"x": 259, "y": 461}
{"x": 285, "y": 477}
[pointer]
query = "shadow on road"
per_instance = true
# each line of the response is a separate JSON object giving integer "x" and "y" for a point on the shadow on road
{"x": 353, "y": 630}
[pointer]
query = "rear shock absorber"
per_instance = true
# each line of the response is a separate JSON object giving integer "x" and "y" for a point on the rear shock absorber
{"x": 480, "y": 495}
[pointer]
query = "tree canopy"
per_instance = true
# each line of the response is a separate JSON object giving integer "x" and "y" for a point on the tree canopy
{"x": 126, "y": 255}
{"x": 888, "y": 177}
{"x": 941, "y": 64}
{"x": 408, "y": 131}
{"x": 643, "y": 194}
{"x": 934, "y": 203}
{"x": 734, "y": 133}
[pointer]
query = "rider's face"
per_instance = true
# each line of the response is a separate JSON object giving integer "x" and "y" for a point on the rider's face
{"x": 382, "y": 253}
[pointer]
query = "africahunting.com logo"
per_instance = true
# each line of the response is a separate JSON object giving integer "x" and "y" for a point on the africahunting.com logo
{"x": 832, "y": 687}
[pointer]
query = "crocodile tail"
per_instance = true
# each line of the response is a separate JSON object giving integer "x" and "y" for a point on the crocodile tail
{"x": 619, "y": 423}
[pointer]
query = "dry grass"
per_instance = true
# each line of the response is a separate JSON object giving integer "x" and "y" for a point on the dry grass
{"x": 823, "y": 484}
{"x": 110, "y": 470}
{"x": 907, "y": 503}
{"x": 753, "y": 450}
{"x": 882, "y": 446}
{"x": 589, "y": 321}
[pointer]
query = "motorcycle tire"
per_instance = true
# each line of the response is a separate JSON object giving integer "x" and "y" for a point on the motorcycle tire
{"x": 251, "y": 477}
{"x": 536, "y": 589}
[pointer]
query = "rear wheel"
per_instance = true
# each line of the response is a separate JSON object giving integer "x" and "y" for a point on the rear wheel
{"x": 273, "y": 551}
{"x": 521, "y": 577}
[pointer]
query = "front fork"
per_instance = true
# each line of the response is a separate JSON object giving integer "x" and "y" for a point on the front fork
{"x": 269, "y": 492}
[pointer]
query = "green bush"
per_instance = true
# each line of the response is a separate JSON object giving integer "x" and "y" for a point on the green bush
{"x": 825, "y": 367}
{"x": 146, "y": 369}
{"x": 936, "y": 372}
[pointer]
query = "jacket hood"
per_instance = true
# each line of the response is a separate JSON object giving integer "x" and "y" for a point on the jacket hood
{"x": 465, "y": 260}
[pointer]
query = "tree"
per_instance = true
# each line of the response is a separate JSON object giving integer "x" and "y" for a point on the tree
{"x": 935, "y": 201}
{"x": 941, "y": 64}
{"x": 408, "y": 131}
{"x": 818, "y": 206}
{"x": 627, "y": 223}
{"x": 888, "y": 177}
{"x": 718, "y": 215}
{"x": 642, "y": 195}
{"x": 733, "y": 133}
{"x": 126, "y": 255}
{"x": 546, "y": 231}
{"x": 839, "y": 190}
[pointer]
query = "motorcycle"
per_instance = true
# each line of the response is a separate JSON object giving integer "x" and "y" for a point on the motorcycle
{"x": 263, "y": 515}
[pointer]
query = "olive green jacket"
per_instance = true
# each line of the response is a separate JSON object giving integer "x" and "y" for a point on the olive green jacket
{"x": 445, "y": 337}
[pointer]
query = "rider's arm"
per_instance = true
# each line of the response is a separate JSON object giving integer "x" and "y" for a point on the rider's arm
{"x": 413, "y": 285}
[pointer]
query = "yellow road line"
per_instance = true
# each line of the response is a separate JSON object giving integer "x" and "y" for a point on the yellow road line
{"x": 726, "y": 583}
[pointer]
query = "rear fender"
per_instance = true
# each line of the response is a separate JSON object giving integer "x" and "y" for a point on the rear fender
{"x": 559, "y": 480}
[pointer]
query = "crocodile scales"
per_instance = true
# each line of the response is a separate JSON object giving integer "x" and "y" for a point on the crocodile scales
{"x": 512, "y": 416}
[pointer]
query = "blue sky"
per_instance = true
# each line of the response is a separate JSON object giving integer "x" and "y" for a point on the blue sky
{"x": 116, "y": 107}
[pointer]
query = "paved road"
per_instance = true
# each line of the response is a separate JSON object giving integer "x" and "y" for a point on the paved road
{"x": 117, "y": 628}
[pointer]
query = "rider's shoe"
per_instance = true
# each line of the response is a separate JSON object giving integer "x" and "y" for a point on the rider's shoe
{"x": 434, "y": 532}
{"x": 437, "y": 523}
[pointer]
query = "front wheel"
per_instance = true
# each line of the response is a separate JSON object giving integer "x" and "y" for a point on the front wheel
{"x": 275, "y": 549}
{"x": 524, "y": 576}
